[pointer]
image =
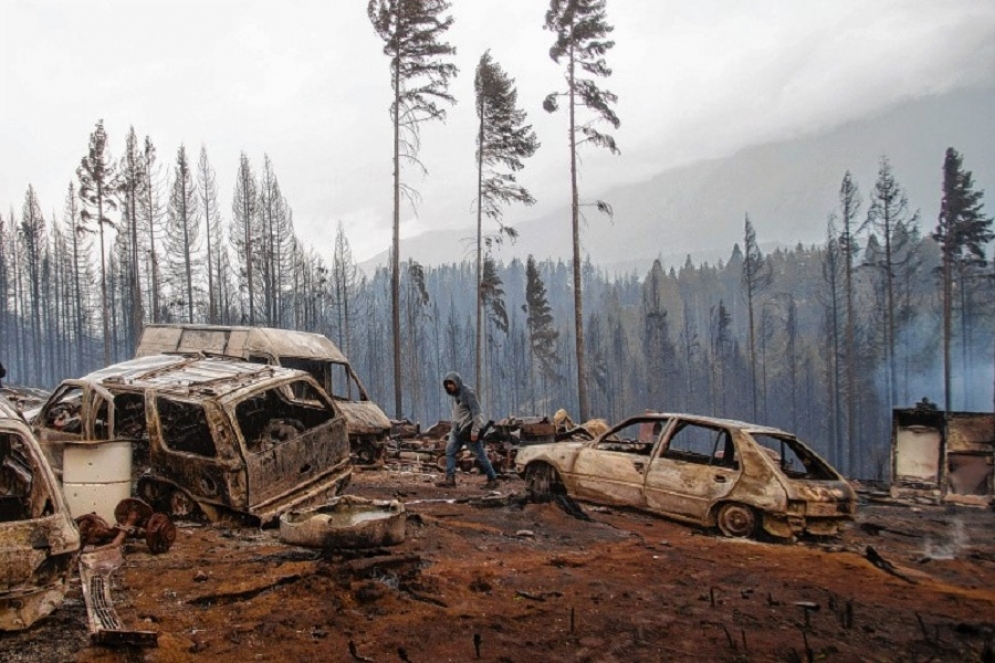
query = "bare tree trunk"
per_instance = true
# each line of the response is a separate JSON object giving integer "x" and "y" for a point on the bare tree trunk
{"x": 575, "y": 226}
{"x": 947, "y": 326}
{"x": 103, "y": 277}
{"x": 478, "y": 380}
{"x": 395, "y": 260}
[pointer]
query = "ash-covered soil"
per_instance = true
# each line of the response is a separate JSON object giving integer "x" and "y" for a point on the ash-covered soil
{"x": 529, "y": 582}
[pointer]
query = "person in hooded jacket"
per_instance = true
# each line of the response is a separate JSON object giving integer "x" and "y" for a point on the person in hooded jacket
{"x": 467, "y": 420}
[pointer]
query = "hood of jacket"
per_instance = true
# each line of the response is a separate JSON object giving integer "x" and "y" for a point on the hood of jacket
{"x": 455, "y": 378}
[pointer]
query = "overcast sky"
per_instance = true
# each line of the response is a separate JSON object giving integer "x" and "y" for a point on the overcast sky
{"x": 306, "y": 82}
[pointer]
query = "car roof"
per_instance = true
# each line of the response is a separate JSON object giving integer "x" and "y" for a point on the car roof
{"x": 715, "y": 421}
{"x": 186, "y": 375}
{"x": 233, "y": 340}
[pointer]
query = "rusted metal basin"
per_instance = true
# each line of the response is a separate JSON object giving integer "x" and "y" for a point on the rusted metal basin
{"x": 346, "y": 521}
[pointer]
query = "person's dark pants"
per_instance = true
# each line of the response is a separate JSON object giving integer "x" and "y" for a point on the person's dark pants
{"x": 456, "y": 443}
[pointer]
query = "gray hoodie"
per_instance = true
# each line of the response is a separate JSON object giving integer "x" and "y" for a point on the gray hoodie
{"x": 466, "y": 407}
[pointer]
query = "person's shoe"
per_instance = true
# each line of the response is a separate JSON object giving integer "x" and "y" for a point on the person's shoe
{"x": 450, "y": 482}
{"x": 492, "y": 484}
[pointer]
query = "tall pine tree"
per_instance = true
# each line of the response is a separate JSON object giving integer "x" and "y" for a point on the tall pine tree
{"x": 962, "y": 232}
{"x": 581, "y": 29}
{"x": 503, "y": 141}
{"x": 412, "y": 32}
{"x": 98, "y": 185}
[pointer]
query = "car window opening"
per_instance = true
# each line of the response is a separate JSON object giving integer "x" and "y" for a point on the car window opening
{"x": 17, "y": 482}
{"x": 272, "y": 418}
{"x": 793, "y": 459}
{"x": 185, "y": 427}
{"x": 702, "y": 445}
{"x": 637, "y": 438}
{"x": 64, "y": 413}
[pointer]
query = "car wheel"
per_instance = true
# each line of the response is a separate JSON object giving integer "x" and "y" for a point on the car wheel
{"x": 542, "y": 482}
{"x": 737, "y": 521}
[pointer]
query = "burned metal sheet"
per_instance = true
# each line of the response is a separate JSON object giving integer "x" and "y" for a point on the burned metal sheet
{"x": 95, "y": 570}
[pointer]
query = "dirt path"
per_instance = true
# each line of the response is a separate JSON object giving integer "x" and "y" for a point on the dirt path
{"x": 532, "y": 583}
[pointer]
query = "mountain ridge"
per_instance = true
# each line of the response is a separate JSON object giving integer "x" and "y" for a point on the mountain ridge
{"x": 788, "y": 188}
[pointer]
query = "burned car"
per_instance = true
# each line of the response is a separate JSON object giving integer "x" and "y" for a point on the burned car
{"x": 742, "y": 478}
{"x": 207, "y": 436}
{"x": 316, "y": 354}
{"x": 39, "y": 541}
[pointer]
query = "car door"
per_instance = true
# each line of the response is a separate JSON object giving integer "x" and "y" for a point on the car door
{"x": 191, "y": 447}
{"x": 291, "y": 435}
{"x": 613, "y": 468}
{"x": 695, "y": 466}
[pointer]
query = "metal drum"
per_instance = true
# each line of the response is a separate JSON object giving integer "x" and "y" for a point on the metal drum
{"x": 96, "y": 476}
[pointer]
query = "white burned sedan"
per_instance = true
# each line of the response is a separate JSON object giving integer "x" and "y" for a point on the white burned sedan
{"x": 742, "y": 478}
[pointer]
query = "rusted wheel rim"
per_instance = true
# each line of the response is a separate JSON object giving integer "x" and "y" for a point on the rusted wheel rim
{"x": 132, "y": 507}
{"x": 93, "y": 529}
{"x": 160, "y": 533}
{"x": 737, "y": 520}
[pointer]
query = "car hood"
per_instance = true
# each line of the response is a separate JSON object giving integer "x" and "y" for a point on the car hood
{"x": 364, "y": 418}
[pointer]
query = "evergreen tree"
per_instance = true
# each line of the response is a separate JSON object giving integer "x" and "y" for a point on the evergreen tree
{"x": 98, "y": 186}
{"x": 132, "y": 181}
{"x": 183, "y": 235}
{"x": 658, "y": 349}
{"x": 690, "y": 348}
{"x": 542, "y": 332}
{"x": 5, "y": 318}
{"x": 889, "y": 209}
{"x": 834, "y": 276}
{"x": 244, "y": 235}
{"x": 849, "y": 206}
{"x": 757, "y": 277}
{"x": 207, "y": 197}
{"x": 412, "y": 32}
{"x": 276, "y": 228}
{"x": 33, "y": 244}
{"x": 720, "y": 343}
{"x": 962, "y": 232}
{"x": 346, "y": 285}
{"x": 503, "y": 141}
{"x": 581, "y": 29}
{"x": 152, "y": 212}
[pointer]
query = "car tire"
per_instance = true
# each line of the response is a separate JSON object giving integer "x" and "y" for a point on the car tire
{"x": 736, "y": 521}
{"x": 542, "y": 482}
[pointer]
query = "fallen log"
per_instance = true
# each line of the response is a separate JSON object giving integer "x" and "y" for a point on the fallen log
{"x": 877, "y": 560}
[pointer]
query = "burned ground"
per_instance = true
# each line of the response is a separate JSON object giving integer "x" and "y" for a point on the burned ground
{"x": 528, "y": 582}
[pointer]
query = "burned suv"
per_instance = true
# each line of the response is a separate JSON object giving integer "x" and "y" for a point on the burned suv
{"x": 208, "y": 436}
{"x": 316, "y": 354}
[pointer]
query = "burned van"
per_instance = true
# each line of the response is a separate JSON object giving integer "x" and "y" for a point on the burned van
{"x": 208, "y": 436}
{"x": 38, "y": 539}
{"x": 367, "y": 424}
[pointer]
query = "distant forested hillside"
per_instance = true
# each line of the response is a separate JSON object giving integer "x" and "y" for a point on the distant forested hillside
{"x": 822, "y": 339}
